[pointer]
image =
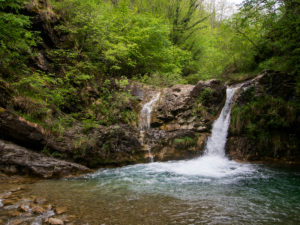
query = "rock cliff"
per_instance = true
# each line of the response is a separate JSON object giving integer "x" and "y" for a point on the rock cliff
{"x": 265, "y": 120}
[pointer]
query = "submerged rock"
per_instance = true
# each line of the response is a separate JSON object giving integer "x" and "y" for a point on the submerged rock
{"x": 55, "y": 221}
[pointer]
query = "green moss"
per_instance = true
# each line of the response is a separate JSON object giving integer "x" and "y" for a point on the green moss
{"x": 271, "y": 123}
{"x": 185, "y": 142}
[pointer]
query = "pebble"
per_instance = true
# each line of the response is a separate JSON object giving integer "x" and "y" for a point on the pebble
{"x": 24, "y": 208}
{"x": 47, "y": 206}
{"x": 14, "y": 213}
{"x": 17, "y": 189}
{"x": 39, "y": 200}
{"x": 30, "y": 208}
{"x": 38, "y": 210}
{"x": 16, "y": 222}
{"x": 5, "y": 195}
{"x": 6, "y": 202}
{"x": 60, "y": 210}
{"x": 55, "y": 221}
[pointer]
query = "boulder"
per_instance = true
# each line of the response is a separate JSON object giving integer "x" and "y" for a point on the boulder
{"x": 55, "y": 221}
{"x": 115, "y": 145}
{"x": 20, "y": 131}
{"x": 29, "y": 162}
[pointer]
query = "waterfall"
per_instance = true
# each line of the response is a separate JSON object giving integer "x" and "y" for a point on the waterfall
{"x": 145, "y": 120}
{"x": 216, "y": 142}
{"x": 213, "y": 163}
{"x": 145, "y": 116}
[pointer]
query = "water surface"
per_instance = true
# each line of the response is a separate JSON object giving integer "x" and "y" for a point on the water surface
{"x": 164, "y": 193}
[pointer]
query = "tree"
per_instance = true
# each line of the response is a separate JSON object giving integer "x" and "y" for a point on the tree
{"x": 16, "y": 39}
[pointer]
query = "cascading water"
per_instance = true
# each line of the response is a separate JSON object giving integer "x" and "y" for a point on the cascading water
{"x": 145, "y": 120}
{"x": 216, "y": 142}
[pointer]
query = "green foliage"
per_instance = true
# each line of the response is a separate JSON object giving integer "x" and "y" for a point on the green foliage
{"x": 44, "y": 87}
{"x": 119, "y": 40}
{"x": 202, "y": 104}
{"x": 15, "y": 38}
{"x": 162, "y": 80}
{"x": 114, "y": 107}
{"x": 277, "y": 40}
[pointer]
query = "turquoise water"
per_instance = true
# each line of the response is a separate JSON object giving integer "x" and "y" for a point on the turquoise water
{"x": 162, "y": 193}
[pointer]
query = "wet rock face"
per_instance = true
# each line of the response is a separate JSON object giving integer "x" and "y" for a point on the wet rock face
{"x": 119, "y": 138}
{"x": 241, "y": 149}
{"x": 173, "y": 101}
{"x": 15, "y": 159}
{"x": 175, "y": 145}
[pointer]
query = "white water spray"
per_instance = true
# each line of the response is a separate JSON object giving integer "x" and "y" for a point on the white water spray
{"x": 216, "y": 142}
{"x": 145, "y": 120}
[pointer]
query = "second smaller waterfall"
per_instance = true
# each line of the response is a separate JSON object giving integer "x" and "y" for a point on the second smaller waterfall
{"x": 145, "y": 117}
{"x": 145, "y": 120}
